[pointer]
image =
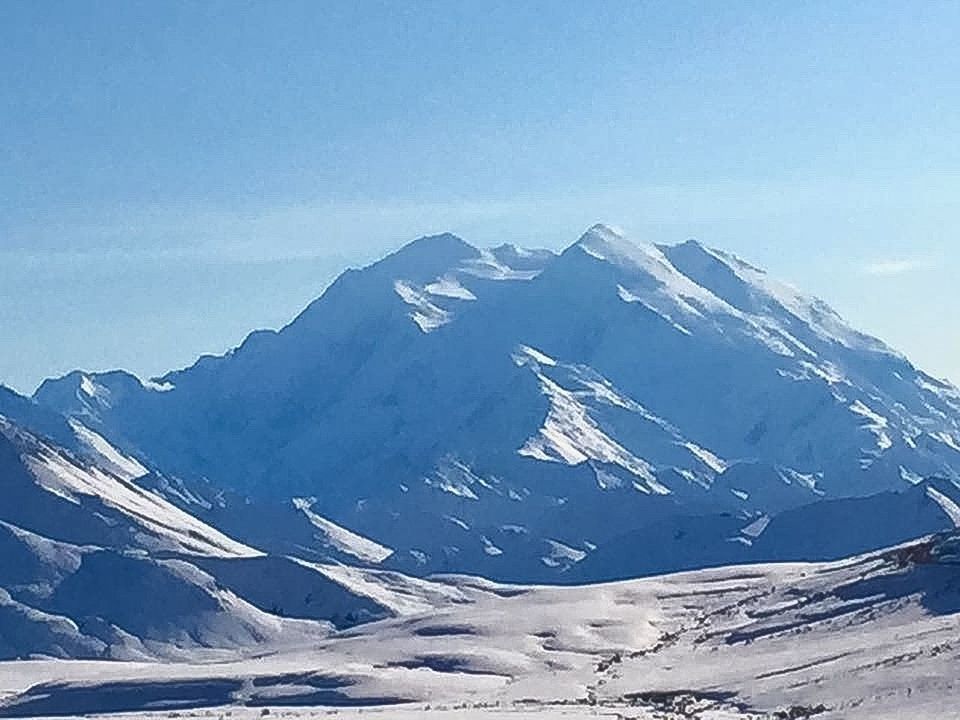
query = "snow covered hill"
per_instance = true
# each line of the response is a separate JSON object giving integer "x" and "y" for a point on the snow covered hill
{"x": 511, "y": 413}
{"x": 869, "y": 637}
{"x": 49, "y": 491}
{"x": 93, "y": 565}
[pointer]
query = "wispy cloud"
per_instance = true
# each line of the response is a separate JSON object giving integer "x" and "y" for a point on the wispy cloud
{"x": 889, "y": 267}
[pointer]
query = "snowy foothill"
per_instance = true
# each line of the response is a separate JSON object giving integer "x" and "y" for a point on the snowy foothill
{"x": 872, "y": 636}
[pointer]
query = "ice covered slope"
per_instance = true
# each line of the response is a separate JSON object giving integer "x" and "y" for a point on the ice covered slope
{"x": 868, "y": 637}
{"x": 506, "y": 412}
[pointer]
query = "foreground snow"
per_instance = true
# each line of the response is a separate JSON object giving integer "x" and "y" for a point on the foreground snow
{"x": 413, "y": 712}
{"x": 869, "y": 637}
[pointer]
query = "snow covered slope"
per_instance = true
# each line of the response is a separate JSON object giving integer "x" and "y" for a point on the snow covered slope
{"x": 507, "y": 412}
{"x": 69, "y": 433}
{"x": 94, "y": 565}
{"x": 53, "y": 493}
{"x": 110, "y": 604}
{"x": 868, "y": 637}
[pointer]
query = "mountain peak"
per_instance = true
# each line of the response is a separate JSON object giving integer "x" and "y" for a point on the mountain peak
{"x": 602, "y": 239}
{"x": 421, "y": 260}
{"x": 444, "y": 243}
{"x": 609, "y": 244}
{"x": 694, "y": 244}
{"x": 602, "y": 230}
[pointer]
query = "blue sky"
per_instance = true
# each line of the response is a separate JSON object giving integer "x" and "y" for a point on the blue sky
{"x": 173, "y": 175}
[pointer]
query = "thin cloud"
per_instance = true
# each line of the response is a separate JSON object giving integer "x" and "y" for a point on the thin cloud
{"x": 891, "y": 267}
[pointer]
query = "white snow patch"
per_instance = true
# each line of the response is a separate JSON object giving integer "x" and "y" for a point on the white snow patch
{"x": 454, "y": 476}
{"x": 456, "y": 521}
{"x": 402, "y": 594}
{"x": 570, "y": 436}
{"x": 488, "y": 267}
{"x": 877, "y": 424}
{"x": 756, "y": 528}
{"x": 826, "y": 371}
{"x": 450, "y": 287}
{"x": 94, "y": 390}
{"x": 910, "y": 476}
{"x": 802, "y": 347}
{"x": 562, "y": 554}
{"x": 947, "y": 439}
{"x": 123, "y": 466}
{"x": 807, "y": 480}
{"x": 514, "y": 529}
{"x": 451, "y": 486}
{"x": 338, "y": 537}
{"x": 607, "y": 480}
{"x": 629, "y": 297}
{"x": 948, "y": 506}
{"x": 489, "y": 548}
{"x": 525, "y": 353}
{"x": 426, "y": 315}
{"x": 859, "y": 408}
{"x": 713, "y": 462}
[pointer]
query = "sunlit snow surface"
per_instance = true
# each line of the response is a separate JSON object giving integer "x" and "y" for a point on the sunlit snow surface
{"x": 449, "y": 286}
{"x": 864, "y": 638}
{"x": 347, "y": 542}
{"x": 571, "y": 434}
{"x": 125, "y": 467}
{"x": 425, "y": 314}
{"x": 490, "y": 267}
{"x": 951, "y": 508}
{"x": 156, "y": 523}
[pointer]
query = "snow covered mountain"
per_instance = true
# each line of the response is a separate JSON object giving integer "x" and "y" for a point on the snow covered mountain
{"x": 517, "y": 413}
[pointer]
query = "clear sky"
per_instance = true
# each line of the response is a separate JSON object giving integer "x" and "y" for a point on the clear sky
{"x": 173, "y": 175}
